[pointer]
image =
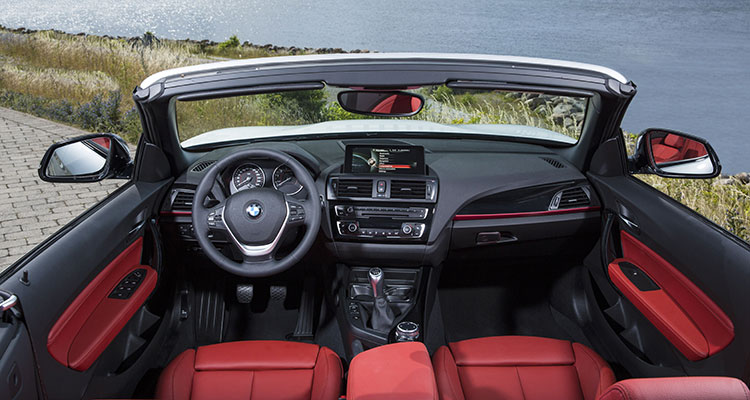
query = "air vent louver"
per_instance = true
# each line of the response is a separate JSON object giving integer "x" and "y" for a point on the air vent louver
{"x": 203, "y": 165}
{"x": 553, "y": 162}
{"x": 408, "y": 189}
{"x": 570, "y": 198}
{"x": 354, "y": 188}
{"x": 183, "y": 201}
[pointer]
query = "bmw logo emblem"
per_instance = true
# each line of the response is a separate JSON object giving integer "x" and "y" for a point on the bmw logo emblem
{"x": 254, "y": 210}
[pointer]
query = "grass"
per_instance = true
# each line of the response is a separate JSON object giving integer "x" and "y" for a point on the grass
{"x": 726, "y": 204}
{"x": 87, "y": 81}
{"x": 48, "y": 72}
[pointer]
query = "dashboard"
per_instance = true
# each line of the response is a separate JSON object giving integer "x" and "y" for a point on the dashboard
{"x": 413, "y": 202}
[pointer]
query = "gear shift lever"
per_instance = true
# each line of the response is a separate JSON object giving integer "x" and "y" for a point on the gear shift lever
{"x": 382, "y": 315}
{"x": 376, "y": 281}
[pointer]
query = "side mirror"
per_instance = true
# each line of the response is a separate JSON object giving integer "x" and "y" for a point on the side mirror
{"x": 674, "y": 154}
{"x": 381, "y": 103}
{"x": 88, "y": 158}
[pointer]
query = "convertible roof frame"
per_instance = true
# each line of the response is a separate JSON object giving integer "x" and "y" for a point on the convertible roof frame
{"x": 290, "y": 61}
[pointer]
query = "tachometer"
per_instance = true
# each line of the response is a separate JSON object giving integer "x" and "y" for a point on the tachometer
{"x": 285, "y": 181}
{"x": 247, "y": 176}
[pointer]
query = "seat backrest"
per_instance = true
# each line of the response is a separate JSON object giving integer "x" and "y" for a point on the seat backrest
{"x": 683, "y": 388}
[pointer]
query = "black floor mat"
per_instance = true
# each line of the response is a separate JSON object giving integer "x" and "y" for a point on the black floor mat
{"x": 492, "y": 300}
{"x": 263, "y": 319}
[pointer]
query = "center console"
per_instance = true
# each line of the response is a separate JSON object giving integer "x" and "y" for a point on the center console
{"x": 394, "y": 371}
{"x": 383, "y": 194}
{"x": 381, "y": 199}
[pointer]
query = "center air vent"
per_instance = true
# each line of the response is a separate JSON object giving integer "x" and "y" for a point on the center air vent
{"x": 408, "y": 189}
{"x": 183, "y": 201}
{"x": 203, "y": 165}
{"x": 570, "y": 198}
{"x": 354, "y": 188}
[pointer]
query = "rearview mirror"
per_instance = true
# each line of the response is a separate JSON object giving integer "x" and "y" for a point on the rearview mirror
{"x": 675, "y": 155}
{"x": 89, "y": 158}
{"x": 381, "y": 103}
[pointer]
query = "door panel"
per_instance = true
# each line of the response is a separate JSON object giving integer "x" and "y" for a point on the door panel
{"x": 678, "y": 308}
{"x": 702, "y": 273}
{"x": 70, "y": 281}
{"x": 101, "y": 310}
{"x": 17, "y": 375}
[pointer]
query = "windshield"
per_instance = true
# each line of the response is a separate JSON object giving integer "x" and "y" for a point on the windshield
{"x": 446, "y": 110}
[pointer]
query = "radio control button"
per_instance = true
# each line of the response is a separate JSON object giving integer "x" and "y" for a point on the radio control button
{"x": 407, "y": 229}
{"x": 352, "y": 227}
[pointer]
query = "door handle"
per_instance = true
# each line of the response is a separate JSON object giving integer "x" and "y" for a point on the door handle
{"x": 136, "y": 228}
{"x": 627, "y": 217}
{"x": 9, "y": 301}
{"x": 632, "y": 225}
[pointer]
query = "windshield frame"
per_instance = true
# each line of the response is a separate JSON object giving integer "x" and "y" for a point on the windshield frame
{"x": 397, "y": 125}
{"x": 388, "y": 71}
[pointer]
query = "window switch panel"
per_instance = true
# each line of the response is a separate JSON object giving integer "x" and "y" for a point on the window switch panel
{"x": 128, "y": 285}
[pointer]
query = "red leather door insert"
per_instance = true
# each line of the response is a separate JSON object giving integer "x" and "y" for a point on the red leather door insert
{"x": 92, "y": 320}
{"x": 685, "y": 315}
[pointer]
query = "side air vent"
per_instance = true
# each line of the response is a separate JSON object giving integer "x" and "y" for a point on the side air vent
{"x": 203, "y": 165}
{"x": 570, "y": 198}
{"x": 354, "y": 188}
{"x": 408, "y": 189}
{"x": 553, "y": 162}
{"x": 183, "y": 201}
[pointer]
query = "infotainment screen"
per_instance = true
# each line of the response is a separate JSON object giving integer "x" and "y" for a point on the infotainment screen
{"x": 386, "y": 159}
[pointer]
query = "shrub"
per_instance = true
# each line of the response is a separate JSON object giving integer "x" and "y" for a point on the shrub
{"x": 231, "y": 43}
{"x": 100, "y": 114}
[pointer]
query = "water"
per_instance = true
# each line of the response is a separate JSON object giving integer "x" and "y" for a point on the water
{"x": 689, "y": 58}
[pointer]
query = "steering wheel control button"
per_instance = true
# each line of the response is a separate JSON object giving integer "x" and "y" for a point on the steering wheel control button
{"x": 407, "y": 331}
{"x": 296, "y": 212}
{"x": 128, "y": 285}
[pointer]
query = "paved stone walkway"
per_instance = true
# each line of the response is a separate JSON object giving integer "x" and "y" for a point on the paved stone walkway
{"x": 30, "y": 209}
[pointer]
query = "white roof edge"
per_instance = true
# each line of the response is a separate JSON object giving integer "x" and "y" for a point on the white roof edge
{"x": 542, "y": 62}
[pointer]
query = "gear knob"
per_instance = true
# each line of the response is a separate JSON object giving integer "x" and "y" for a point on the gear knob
{"x": 376, "y": 281}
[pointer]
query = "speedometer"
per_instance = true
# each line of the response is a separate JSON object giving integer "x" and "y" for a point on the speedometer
{"x": 247, "y": 176}
{"x": 285, "y": 181}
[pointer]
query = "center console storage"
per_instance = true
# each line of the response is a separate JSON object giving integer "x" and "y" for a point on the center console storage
{"x": 394, "y": 371}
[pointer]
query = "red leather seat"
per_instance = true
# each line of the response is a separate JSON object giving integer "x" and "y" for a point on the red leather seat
{"x": 253, "y": 370}
{"x": 682, "y": 388}
{"x": 519, "y": 367}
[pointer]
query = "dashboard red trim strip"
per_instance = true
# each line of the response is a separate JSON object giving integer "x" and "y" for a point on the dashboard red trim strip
{"x": 471, "y": 217}
{"x": 176, "y": 213}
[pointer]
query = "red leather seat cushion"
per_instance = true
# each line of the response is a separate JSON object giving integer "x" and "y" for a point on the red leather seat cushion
{"x": 253, "y": 370}
{"x": 519, "y": 367}
{"x": 683, "y": 388}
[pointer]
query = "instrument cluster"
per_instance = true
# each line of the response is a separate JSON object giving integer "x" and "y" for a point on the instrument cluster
{"x": 258, "y": 174}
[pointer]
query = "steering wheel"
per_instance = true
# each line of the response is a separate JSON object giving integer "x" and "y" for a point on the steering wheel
{"x": 255, "y": 220}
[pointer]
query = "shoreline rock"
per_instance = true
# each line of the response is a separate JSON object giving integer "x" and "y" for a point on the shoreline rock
{"x": 205, "y": 43}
